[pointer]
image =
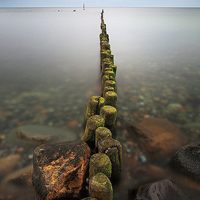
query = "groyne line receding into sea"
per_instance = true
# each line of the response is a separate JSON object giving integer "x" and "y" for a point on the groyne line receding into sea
{"x": 106, "y": 162}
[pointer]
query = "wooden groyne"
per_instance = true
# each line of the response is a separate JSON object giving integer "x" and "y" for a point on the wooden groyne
{"x": 106, "y": 162}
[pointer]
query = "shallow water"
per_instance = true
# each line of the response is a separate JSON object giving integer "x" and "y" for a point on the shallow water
{"x": 50, "y": 68}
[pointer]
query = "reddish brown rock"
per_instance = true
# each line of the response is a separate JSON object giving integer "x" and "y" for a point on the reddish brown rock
{"x": 60, "y": 169}
{"x": 158, "y": 138}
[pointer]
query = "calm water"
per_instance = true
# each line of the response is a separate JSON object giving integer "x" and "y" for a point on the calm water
{"x": 49, "y": 64}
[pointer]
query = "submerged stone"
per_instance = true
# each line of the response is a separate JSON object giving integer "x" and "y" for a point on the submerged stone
{"x": 60, "y": 169}
{"x": 157, "y": 138}
{"x": 43, "y": 134}
{"x": 162, "y": 190}
{"x": 8, "y": 164}
{"x": 187, "y": 161}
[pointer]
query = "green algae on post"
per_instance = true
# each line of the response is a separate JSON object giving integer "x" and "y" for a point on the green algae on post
{"x": 105, "y": 54}
{"x": 110, "y": 83}
{"x": 104, "y": 45}
{"x": 100, "y": 134}
{"x": 111, "y": 98}
{"x": 113, "y": 149}
{"x": 100, "y": 162}
{"x": 107, "y": 89}
{"x": 104, "y": 79}
{"x": 110, "y": 73}
{"x": 94, "y": 105}
{"x": 109, "y": 113}
{"x": 114, "y": 67}
{"x": 106, "y": 64}
{"x": 92, "y": 124}
{"x": 100, "y": 187}
{"x": 104, "y": 37}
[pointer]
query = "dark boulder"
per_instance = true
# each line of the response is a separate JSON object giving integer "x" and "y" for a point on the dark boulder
{"x": 60, "y": 169}
{"x": 162, "y": 190}
{"x": 187, "y": 162}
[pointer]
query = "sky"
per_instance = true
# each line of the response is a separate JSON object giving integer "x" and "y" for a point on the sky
{"x": 100, "y": 3}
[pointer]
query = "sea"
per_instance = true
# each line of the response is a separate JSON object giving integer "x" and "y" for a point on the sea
{"x": 50, "y": 67}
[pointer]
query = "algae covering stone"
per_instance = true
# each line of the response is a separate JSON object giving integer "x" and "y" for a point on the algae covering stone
{"x": 60, "y": 169}
{"x": 93, "y": 123}
{"x": 100, "y": 187}
{"x": 100, "y": 163}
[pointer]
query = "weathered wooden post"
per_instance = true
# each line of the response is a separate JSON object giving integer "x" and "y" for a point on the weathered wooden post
{"x": 94, "y": 105}
{"x": 92, "y": 124}
{"x": 100, "y": 187}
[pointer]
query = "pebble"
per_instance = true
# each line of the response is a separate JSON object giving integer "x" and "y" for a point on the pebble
{"x": 142, "y": 159}
{"x": 20, "y": 149}
{"x": 72, "y": 123}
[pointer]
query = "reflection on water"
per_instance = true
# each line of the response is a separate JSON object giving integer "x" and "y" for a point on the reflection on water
{"x": 50, "y": 68}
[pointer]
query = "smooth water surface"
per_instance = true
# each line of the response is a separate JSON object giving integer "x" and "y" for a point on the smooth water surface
{"x": 49, "y": 64}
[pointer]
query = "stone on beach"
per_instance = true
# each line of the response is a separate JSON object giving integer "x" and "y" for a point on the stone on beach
{"x": 60, "y": 169}
{"x": 158, "y": 138}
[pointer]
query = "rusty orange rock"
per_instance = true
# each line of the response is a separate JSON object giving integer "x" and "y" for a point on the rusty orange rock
{"x": 157, "y": 138}
{"x": 60, "y": 169}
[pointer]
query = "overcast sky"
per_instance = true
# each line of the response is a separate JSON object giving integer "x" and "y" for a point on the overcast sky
{"x": 100, "y": 3}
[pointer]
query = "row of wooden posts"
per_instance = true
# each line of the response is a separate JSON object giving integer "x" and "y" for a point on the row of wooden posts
{"x": 106, "y": 162}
